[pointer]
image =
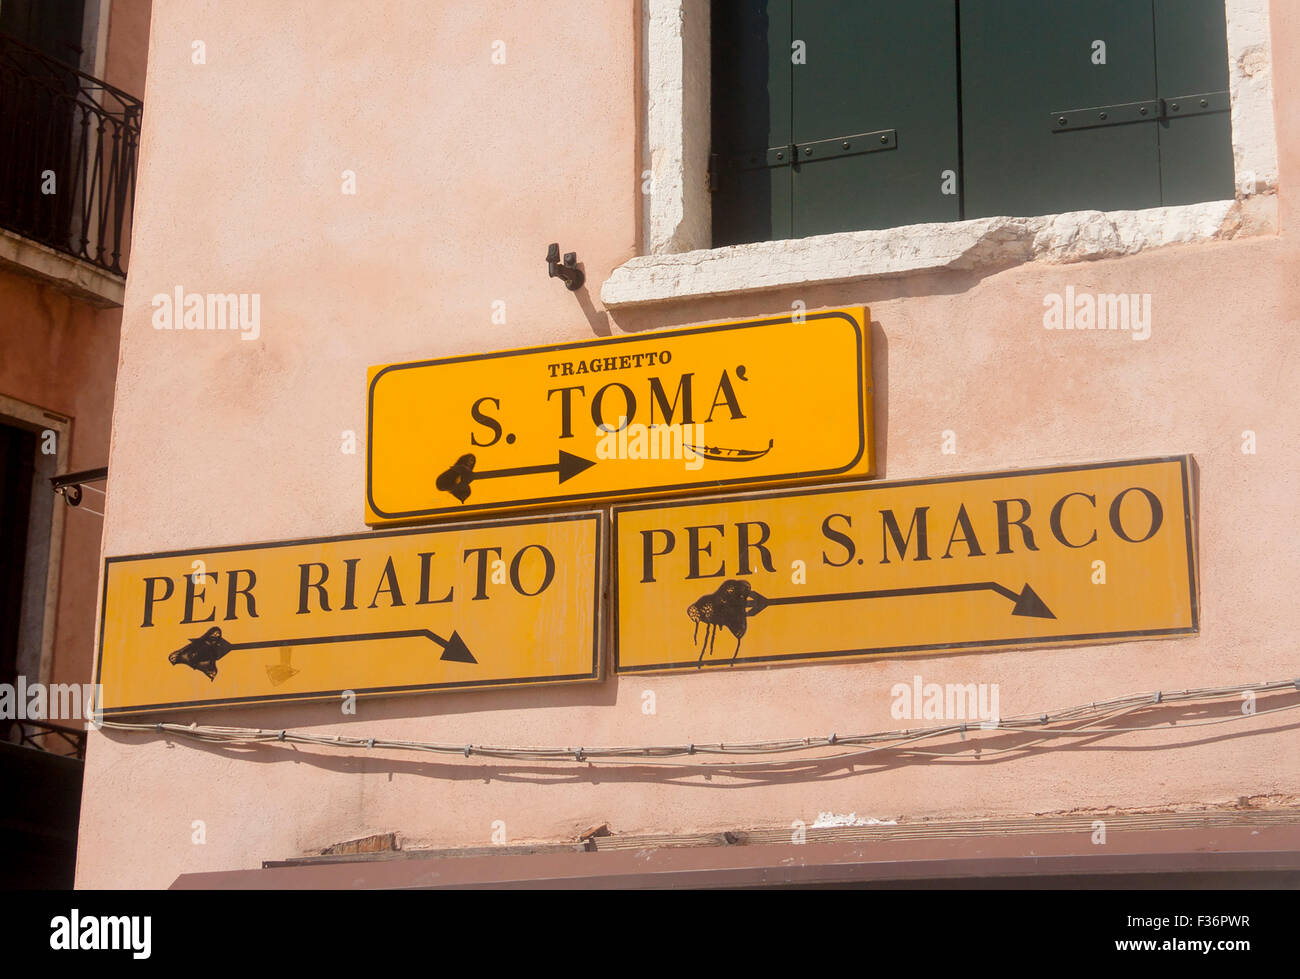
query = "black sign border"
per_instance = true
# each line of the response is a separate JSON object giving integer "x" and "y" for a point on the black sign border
{"x": 701, "y": 487}
{"x": 598, "y": 621}
{"x": 1186, "y": 463}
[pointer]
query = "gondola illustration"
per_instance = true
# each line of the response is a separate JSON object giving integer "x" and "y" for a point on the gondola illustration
{"x": 720, "y": 454}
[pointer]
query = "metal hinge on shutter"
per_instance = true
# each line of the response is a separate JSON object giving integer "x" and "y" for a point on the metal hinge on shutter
{"x": 1152, "y": 110}
{"x": 794, "y": 153}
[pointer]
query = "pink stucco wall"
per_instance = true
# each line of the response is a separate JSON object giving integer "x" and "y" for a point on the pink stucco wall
{"x": 465, "y": 171}
{"x": 127, "y": 54}
{"x": 60, "y": 354}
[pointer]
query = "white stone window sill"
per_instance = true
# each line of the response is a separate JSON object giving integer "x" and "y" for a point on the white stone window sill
{"x": 80, "y": 279}
{"x": 985, "y": 244}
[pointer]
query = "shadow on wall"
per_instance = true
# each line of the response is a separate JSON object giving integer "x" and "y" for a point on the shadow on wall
{"x": 777, "y": 302}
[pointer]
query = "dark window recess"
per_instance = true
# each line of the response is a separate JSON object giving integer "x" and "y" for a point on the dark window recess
{"x": 52, "y": 27}
{"x": 40, "y": 763}
{"x": 830, "y": 116}
{"x": 40, "y": 811}
{"x": 17, "y": 469}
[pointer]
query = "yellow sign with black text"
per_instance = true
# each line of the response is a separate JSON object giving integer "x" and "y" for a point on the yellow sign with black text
{"x": 503, "y": 603}
{"x": 1069, "y": 555}
{"x": 757, "y": 402}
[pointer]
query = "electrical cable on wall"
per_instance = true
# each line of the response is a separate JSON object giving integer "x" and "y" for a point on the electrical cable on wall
{"x": 1037, "y": 724}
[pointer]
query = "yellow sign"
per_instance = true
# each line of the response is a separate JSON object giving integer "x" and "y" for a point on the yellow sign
{"x": 474, "y": 605}
{"x": 1075, "y": 555}
{"x": 730, "y": 405}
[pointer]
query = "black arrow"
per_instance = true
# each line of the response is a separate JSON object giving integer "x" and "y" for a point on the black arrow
{"x": 453, "y": 649}
{"x": 1027, "y": 601}
{"x": 458, "y": 478}
{"x": 735, "y": 602}
{"x": 568, "y": 466}
{"x": 202, "y": 652}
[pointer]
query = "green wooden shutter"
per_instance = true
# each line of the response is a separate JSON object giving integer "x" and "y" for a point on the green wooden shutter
{"x": 751, "y": 121}
{"x": 1027, "y": 64}
{"x": 860, "y": 134}
{"x": 857, "y": 135}
{"x": 1192, "y": 71}
{"x": 874, "y": 114}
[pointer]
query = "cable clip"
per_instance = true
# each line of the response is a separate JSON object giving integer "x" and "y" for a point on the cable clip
{"x": 159, "y": 727}
{"x": 1043, "y": 719}
{"x": 281, "y": 738}
{"x": 963, "y": 730}
{"x": 831, "y": 739}
{"x": 577, "y": 755}
{"x": 370, "y": 744}
{"x": 1157, "y": 698}
{"x": 690, "y": 748}
{"x": 467, "y": 747}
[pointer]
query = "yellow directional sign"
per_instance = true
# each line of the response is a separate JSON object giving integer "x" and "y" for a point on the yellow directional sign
{"x": 505, "y": 603}
{"x": 730, "y": 405}
{"x": 1076, "y": 555}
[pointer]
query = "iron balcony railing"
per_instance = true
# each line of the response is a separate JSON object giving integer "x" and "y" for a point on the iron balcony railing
{"x": 43, "y": 736}
{"x": 68, "y": 145}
